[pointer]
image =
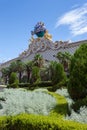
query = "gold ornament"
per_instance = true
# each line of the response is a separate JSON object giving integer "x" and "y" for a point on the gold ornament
{"x": 47, "y": 35}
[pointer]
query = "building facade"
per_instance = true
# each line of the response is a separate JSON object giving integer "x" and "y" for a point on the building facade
{"x": 45, "y": 46}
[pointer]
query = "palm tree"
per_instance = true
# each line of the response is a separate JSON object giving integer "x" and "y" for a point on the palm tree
{"x": 19, "y": 68}
{"x": 6, "y": 74}
{"x": 12, "y": 67}
{"x": 38, "y": 60}
{"x": 60, "y": 57}
{"x": 28, "y": 69}
{"x": 64, "y": 59}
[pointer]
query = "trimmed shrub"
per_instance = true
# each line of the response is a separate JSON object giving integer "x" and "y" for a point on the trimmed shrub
{"x": 38, "y": 122}
{"x": 79, "y": 103}
{"x": 13, "y": 80}
{"x": 57, "y": 72}
{"x": 64, "y": 92}
{"x": 77, "y": 86}
{"x": 42, "y": 84}
{"x": 13, "y": 85}
{"x": 23, "y": 85}
{"x": 61, "y": 84}
{"x": 33, "y": 122}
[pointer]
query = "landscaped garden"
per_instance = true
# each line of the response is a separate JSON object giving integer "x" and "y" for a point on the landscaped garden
{"x": 46, "y": 97}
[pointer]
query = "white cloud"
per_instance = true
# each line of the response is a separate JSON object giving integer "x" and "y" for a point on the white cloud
{"x": 75, "y": 6}
{"x": 76, "y": 19}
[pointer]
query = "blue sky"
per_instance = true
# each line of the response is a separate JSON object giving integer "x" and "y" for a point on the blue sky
{"x": 64, "y": 19}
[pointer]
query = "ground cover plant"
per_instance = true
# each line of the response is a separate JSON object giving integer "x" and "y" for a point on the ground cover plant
{"x": 80, "y": 115}
{"x": 16, "y": 101}
{"x": 53, "y": 121}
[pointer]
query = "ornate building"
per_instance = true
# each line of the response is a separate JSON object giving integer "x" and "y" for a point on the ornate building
{"x": 44, "y": 45}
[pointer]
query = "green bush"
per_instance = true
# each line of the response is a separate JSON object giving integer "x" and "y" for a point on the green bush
{"x": 24, "y": 79}
{"x": 13, "y": 78}
{"x": 79, "y": 103}
{"x": 34, "y": 122}
{"x": 38, "y": 122}
{"x": 77, "y": 86}
{"x": 44, "y": 74}
{"x": 43, "y": 84}
{"x": 13, "y": 81}
{"x": 13, "y": 85}
{"x": 59, "y": 85}
{"x": 23, "y": 85}
{"x": 57, "y": 72}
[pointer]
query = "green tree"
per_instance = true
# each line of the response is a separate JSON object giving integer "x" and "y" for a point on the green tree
{"x": 12, "y": 67}
{"x": 35, "y": 76}
{"x": 77, "y": 85}
{"x": 6, "y": 74}
{"x": 13, "y": 80}
{"x": 19, "y": 68}
{"x": 38, "y": 60}
{"x": 44, "y": 74}
{"x": 28, "y": 69}
{"x": 64, "y": 58}
{"x": 56, "y": 72}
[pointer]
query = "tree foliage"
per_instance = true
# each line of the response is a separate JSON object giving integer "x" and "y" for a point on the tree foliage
{"x": 28, "y": 69}
{"x": 38, "y": 60}
{"x": 5, "y": 74}
{"x": 64, "y": 59}
{"x": 19, "y": 68}
{"x": 35, "y": 75}
{"x": 77, "y": 86}
{"x": 57, "y": 72}
{"x": 13, "y": 80}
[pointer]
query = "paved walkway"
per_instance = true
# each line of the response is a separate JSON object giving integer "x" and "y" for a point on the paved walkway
{"x": 3, "y": 86}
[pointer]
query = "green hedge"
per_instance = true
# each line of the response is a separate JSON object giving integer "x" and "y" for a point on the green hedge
{"x": 13, "y": 85}
{"x": 61, "y": 108}
{"x": 40, "y": 84}
{"x": 44, "y": 83}
{"x": 35, "y": 122}
{"x": 38, "y": 122}
{"x": 23, "y": 85}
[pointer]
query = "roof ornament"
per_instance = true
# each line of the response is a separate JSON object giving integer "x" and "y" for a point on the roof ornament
{"x": 39, "y": 29}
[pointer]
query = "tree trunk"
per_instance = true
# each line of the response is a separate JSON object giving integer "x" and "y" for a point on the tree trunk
{"x": 20, "y": 74}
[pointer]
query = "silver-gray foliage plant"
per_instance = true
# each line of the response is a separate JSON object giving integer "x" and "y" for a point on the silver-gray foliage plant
{"x": 81, "y": 116}
{"x": 64, "y": 92}
{"x": 18, "y": 101}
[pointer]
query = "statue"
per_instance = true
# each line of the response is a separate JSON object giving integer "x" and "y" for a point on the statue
{"x": 48, "y": 36}
{"x": 39, "y": 29}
